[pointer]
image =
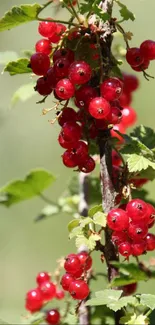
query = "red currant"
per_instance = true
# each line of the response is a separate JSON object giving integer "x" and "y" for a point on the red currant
{"x": 129, "y": 116}
{"x": 43, "y": 46}
{"x": 68, "y": 115}
{"x": 99, "y": 108}
{"x": 65, "y": 144}
{"x": 55, "y": 38}
{"x": 119, "y": 237}
{"x": 60, "y": 294}
{"x": 111, "y": 89}
{"x": 129, "y": 289}
{"x": 125, "y": 99}
{"x": 116, "y": 160}
{"x": 39, "y": 63}
{"x": 142, "y": 66}
{"x": 137, "y": 231}
{"x": 151, "y": 213}
{"x": 85, "y": 259}
{"x": 125, "y": 249}
{"x": 51, "y": 78}
{"x": 147, "y": 49}
{"x": 79, "y": 72}
{"x": 137, "y": 210}
{"x": 61, "y": 67}
{"x": 34, "y": 301}
{"x": 69, "y": 159}
{"x": 66, "y": 280}
{"x": 131, "y": 82}
{"x": 121, "y": 129}
{"x": 72, "y": 264}
{"x": 118, "y": 220}
{"x": 150, "y": 242}
{"x": 84, "y": 95}
{"x": 116, "y": 115}
{"x": 134, "y": 57}
{"x": 71, "y": 131}
{"x": 42, "y": 87}
{"x": 43, "y": 277}
{"x": 53, "y": 317}
{"x": 138, "y": 248}
{"x": 88, "y": 165}
{"x": 47, "y": 29}
{"x": 79, "y": 289}
{"x": 63, "y": 53}
{"x": 64, "y": 89}
{"x": 48, "y": 290}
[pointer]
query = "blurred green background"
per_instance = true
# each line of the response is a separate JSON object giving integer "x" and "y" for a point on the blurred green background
{"x": 27, "y": 141}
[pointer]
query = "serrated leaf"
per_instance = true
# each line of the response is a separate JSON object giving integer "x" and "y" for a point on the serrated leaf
{"x": 8, "y": 56}
{"x": 133, "y": 319}
{"x": 73, "y": 224}
{"x": 104, "y": 16}
{"x": 100, "y": 219}
{"x": 104, "y": 297}
{"x": 145, "y": 134}
{"x": 18, "y": 67}
{"x": 19, "y": 15}
{"x": 90, "y": 242}
{"x": 131, "y": 270}
{"x": 121, "y": 281}
{"x": 34, "y": 183}
{"x": 125, "y": 12}
{"x": 85, "y": 221}
{"x": 77, "y": 231}
{"x": 148, "y": 300}
{"x": 95, "y": 209}
{"x": 122, "y": 302}
{"x": 138, "y": 163}
{"x": 23, "y": 93}
{"x": 86, "y": 7}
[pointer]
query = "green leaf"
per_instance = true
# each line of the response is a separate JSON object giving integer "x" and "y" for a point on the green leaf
{"x": 148, "y": 300}
{"x": 85, "y": 221}
{"x": 104, "y": 16}
{"x": 122, "y": 280}
{"x": 122, "y": 302}
{"x": 23, "y": 93}
{"x": 34, "y": 183}
{"x": 73, "y": 224}
{"x": 18, "y": 67}
{"x": 138, "y": 163}
{"x": 100, "y": 219}
{"x": 90, "y": 242}
{"x": 48, "y": 211}
{"x": 133, "y": 319}
{"x": 105, "y": 297}
{"x": 131, "y": 270}
{"x": 125, "y": 12}
{"x": 8, "y": 56}
{"x": 19, "y": 15}
{"x": 95, "y": 209}
{"x": 77, "y": 231}
{"x": 86, "y": 7}
{"x": 145, "y": 135}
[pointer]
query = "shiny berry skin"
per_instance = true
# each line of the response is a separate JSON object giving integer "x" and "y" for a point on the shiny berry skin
{"x": 42, "y": 87}
{"x": 118, "y": 220}
{"x": 125, "y": 249}
{"x": 53, "y": 317}
{"x": 34, "y": 301}
{"x": 66, "y": 280}
{"x": 87, "y": 166}
{"x": 71, "y": 131}
{"x": 84, "y": 95}
{"x": 47, "y": 29}
{"x": 129, "y": 116}
{"x": 121, "y": 129}
{"x": 129, "y": 289}
{"x": 150, "y": 225}
{"x": 63, "y": 53}
{"x": 131, "y": 82}
{"x": 60, "y": 294}
{"x": 151, "y": 213}
{"x": 118, "y": 237}
{"x": 72, "y": 264}
{"x": 64, "y": 89}
{"x": 147, "y": 49}
{"x": 137, "y": 210}
{"x": 48, "y": 290}
{"x": 65, "y": 144}
{"x": 134, "y": 57}
{"x": 116, "y": 160}
{"x": 51, "y": 78}
{"x": 79, "y": 72}
{"x": 43, "y": 46}
{"x": 39, "y": 63}
{"x": 61, "y": 67}
{"x": 81, "y": 151}
{"x": 99, "y": 108}
{"x": 138, "y": 248}
{"x": 137, "y": 231}
{"x": 68, "y": 115}
{"x": 116, "y": 115}
{"x": 111, "y": 89}
{"x": 79, "y": 289}
{"x": 42, "y": 277}
{"x": 142, "y": 66}
{"x": 69, "y": 160}
{"x": 85, "y": 260}
{"x": 55, "y": 38}
{"x": 125, "y": 99}
{"x": 150, "y": 242}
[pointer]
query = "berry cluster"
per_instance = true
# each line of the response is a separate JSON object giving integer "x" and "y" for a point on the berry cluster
{"x": 130, "y": 224}
{"x": 45, "y": 292}
{"x": 74, "y": 280}
{"x": 98, "y": 104}
{"x": 139, "y": 58}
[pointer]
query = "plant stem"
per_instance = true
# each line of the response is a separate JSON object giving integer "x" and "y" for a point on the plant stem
{"x": 57, "y": 21}
{"x": 46, "y": 199}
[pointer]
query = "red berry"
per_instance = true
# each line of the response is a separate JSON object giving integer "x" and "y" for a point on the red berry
{"x": 147, "y": 49}
{"x": 81, "y": 151}
{"x": 53, "y": 317}
{"x": 150, "y": 225}
{"x": 48, "y": 290}
{"x": 43, "y": 277}
{"x": 71, "y": 131}
{"x": 79, "y": 289}
{"x": 60, "y": 294}
{"x": 142, "y": 66}
{"x": 121, "y": 129}
{"x": 34, "y": 300}
{"x": 64, "y": 89}
{"x": 55, "y": 38}
{"x": 129, "y": 116}
{"x": 137, "y": 231}
{"x": 150, "y": 242}
{"x": 131, "y": 82}
{"x": 125, "y": 249}
{"x": 111, "y": 89}
{"x": 116, "y": 160}
{"x": 134, "y": 57}
{"x": 151, "y": 213}
{"x": 138, "y": 182}
{"x": 47, "y": 29}
{"x": 72, "y": 264}
{"x": 116, "y": 115}
{"x": 85, "y": 260}
{"x": 118, "y": 220}
{"x": 88, "y": 165}
{"x": 42, "y": 87}
{"x": 125, "y": 99}
{"x": 65, "y": 144}
{"x": 129, "y": 289}
{"x": 138, "y": 248}
{"x": 99, "y": 108}
{"x": 78, "y": 274}
{"x": 43, "y": 46}
{"x": 66, "y": 281}
{"x": 39, "y": 63}
{"x": 69, "y": 159}
{"x": 61, "y": 67}
{"x": 63, "y": 53}
{"x": 68, "y": 115}
{"x": 137, "y": 210}
{"x": 51, "y": 78}
{"x": 118, "y": 237}
{"x": 79, "y": 72}
{"x": 84, "y": 95}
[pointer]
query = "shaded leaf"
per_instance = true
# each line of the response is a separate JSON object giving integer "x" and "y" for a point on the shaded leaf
{"x": 145, "y": 134}
{"x": 23, "y": 93}
{"x": 148, "y": 300}
{"x": 19, "y": 15}
{"x": 131, "y": 270}
{"x": 95, "y": 209}
{"x": 18, "y": 67}
{"x": 133, "y": 319}
{"x": 73, "y": 224}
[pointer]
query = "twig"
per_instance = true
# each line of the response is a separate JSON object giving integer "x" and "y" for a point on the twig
{"x": 46, "y": 199}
